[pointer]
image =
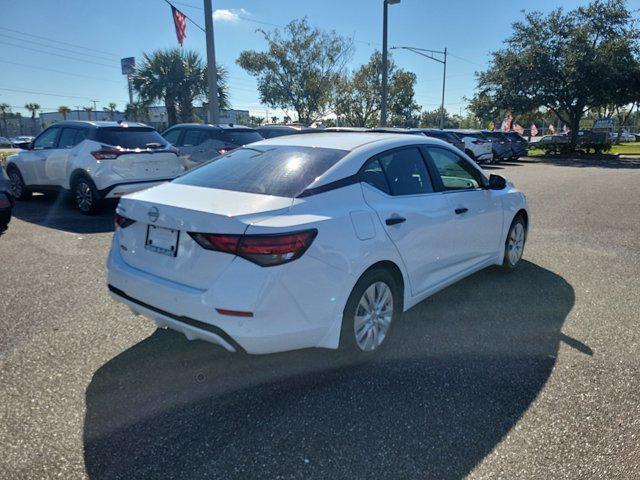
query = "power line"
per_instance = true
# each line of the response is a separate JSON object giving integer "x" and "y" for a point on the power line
{"x": 58, "y": 71}
{"x": 59, "y": 41}
{"x": 58, "y": 55}
{"x": 91, "y": 55}
{"x": 34, "y": 92}
{"x": 188, "y": 17}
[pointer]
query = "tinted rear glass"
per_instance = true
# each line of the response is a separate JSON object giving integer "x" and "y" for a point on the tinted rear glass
{"x": 440, "y": 135}
{"x": 283, "y": 171}
{"x": 276, "y": 132}
{"x": 129, "y": 137}
{"x": 241, "y": 137}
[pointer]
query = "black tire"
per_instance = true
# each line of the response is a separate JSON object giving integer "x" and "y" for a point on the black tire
{"x": 19, "y": 189}
{"x": 508, "y": 263}
{"x": 85, "y": 195}
{"x": 348, "y": 341}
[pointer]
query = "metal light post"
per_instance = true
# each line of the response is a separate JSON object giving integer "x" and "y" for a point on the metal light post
{"x": 211, "y": 64}
{"x": 383, "y": 105}
{"x": 430, "y": 54}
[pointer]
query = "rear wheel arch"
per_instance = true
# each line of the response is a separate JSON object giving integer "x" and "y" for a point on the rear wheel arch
{"x": 525, "y": 217}
{"x": 76, "y": 175}
{"x": 395, "y": 271}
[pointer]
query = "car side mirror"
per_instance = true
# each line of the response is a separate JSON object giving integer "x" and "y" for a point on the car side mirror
{"x": 26, "y": 145}
{"x": 496, "y": 182}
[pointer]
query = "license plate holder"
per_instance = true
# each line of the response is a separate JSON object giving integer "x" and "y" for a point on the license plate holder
{"x": 162, "y": 240}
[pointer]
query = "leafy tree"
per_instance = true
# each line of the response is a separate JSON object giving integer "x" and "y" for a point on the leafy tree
{"x": 431, "y": 119}
{"x": 253, "y": 120}
{"x": 89, "y": 110}
{"x": 300, "y": 68}
{"x": 357, "y": 98}
{"x": 566, "y": 62}
{"x": 178, "y": 78}
{"x": 137, "y": 111}
{"x": 64, "y": 110}
{"x": 33, "y": 108}
{"x": 111, "y": 109}
{"x": 5, "y": 109}
{"x": 274, "y": 119}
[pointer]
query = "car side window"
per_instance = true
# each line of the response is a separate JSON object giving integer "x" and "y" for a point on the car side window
{"x": 81, "y": 134}
{"x": 46, "y": 140}
{"x": 455, "y": 172}
{"x": 193, "y": 138}
{"x": 172, "y": 136}
{"x": 68, "y": 138}
{"x": 406, "y": 172}
{"x": 373, "y": 175}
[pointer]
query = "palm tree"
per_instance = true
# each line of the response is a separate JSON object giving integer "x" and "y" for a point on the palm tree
{"x": 111, "y": 109}
{"x": 4, "y": 109}
{"x": 33, "y": 108}
{"x": 88, "y": 109}
{"x": 178, "y": 78}
{"x": 64, "y": 110}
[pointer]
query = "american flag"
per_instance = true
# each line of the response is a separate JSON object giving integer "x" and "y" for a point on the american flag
{"x": 552, "y": 129}
{"x": 518, "y": 128}
{"x": 534, "y": 130}
{"x": 180, "y": 22}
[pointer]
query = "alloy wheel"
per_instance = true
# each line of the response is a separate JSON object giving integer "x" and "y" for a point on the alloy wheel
{"x": 15, "y": 184}
{"x": 515, "y": 245}
{"x": 84, "y": 196}
{"x": 373, "y": 316}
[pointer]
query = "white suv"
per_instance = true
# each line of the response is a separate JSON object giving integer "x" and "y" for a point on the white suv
{"x": 475, "y": 145}
{"x": 93, "y": 160}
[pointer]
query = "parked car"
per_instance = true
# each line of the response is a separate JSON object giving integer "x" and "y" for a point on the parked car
{"x": 270, "y": 131}
{"x": 476, "y": 146}
{"x": 500, "y": 145}
{"x": 317, "y": 240}
{"x": 346, "y": 129}
{"x": 6, "y": 200}
{"x": 448, "y": 137}
{"x": 94, "y": 161}
{"x": 21, "y": 141}
{"x": 519, "y": 146}
{"x": 198, "y": 143}
{"x": 5, "y": 142}
{"x": 408, "y": 131}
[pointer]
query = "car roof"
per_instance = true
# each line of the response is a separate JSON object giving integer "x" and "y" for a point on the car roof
{"x": 97, "y": 124}
{"x": 338, "y": 140}
{"x": 208, "y": 126}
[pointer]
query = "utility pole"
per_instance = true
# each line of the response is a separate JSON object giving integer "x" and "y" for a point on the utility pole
{"x": 95, "y": 110}
{"x": 211, "y": 64}
{"x": 385, "y": 67}
{"x": 444, "y": 80}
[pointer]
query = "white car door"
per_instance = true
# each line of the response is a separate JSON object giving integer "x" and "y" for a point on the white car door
{"x": 33, "y": 166}
{"x": 419, "y": 220}
{"x": 55, "y": 170}
{"x": 478, "y": 210}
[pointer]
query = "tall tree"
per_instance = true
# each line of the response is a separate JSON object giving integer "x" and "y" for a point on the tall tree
{"x": 89, "y": 110}
{"x": 64, "y": 110}
{"x": 33, "y": 108}
{"x": 300, "y": 68}
{"x": 5, "y": 109}
{"x": 178, "y": 78}
{"x": 565, "y": 61}
{"x": 137, "y": 111}
{"x": 357, "y": 97}
{"x": 111, "y": 109}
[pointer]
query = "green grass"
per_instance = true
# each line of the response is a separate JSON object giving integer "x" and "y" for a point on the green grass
{"x": 631, "y": 148}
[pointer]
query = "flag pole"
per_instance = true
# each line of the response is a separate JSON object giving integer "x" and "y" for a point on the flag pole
{"x": 212, "y": 76}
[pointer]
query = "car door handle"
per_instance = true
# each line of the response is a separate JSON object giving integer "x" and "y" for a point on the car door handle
{"x": 461, "y": 210}
{"x": 395, "y": 220}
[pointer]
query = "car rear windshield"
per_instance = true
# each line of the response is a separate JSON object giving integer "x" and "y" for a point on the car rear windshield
{"x": 241, "y": 137}
{"x": 129, "y": 137}
{"x": 441, "y": 135}
{"x": 283, "y": 171}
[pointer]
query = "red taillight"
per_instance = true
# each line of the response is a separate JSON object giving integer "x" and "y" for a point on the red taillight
{"x": 264, "y": 250}
{"x": 123, "y": 222}
{"x": 107, "y": 153}
{"x": 478, "y": 142}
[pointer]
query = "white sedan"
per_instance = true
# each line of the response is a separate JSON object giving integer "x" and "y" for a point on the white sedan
{"x": 316, "y": 240}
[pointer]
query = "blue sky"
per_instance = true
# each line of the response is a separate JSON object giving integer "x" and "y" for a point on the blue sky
{"x": 112, "y": 29}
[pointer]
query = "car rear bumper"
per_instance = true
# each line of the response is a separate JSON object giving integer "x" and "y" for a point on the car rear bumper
{"x": 117, "y": 190}
{"x": 485, "y": 157}
{"x": 293, "y": 306}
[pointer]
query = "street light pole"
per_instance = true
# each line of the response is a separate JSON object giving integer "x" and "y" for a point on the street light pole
{"x": 431, "y": 55}
{"x": 383, "y": 103}
{"x": 211, "y": 64}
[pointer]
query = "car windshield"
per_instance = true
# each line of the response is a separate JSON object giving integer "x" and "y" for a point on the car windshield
{"x": 283, "y": 171}
{"x": 129, "y": 137}
{"x": 241, "y": 137}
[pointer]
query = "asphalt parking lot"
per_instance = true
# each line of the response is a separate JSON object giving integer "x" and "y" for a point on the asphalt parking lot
{"x": 535, "y": 374}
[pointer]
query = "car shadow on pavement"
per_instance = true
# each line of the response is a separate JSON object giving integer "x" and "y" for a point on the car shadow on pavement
{"x": 460, "y": 370}
{"x": 57, "y": 211}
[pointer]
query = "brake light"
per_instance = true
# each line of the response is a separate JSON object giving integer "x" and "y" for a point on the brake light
{"x": 264, "y": 250}
{"x": 106, "y": 153}
{"x": 478, "y": 142}
{"x": 123, "y": 222}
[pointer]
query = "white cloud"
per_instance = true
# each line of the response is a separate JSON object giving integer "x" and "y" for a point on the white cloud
{"x": 229, "y": 15}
